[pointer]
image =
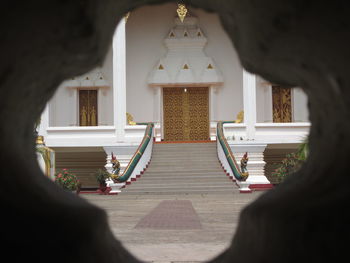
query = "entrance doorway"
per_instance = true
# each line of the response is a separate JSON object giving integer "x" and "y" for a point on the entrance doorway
{"x": 186, "y": 114}
{"x": 88, "y": 108}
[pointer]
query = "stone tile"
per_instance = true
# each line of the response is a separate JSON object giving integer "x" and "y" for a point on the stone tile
{"x": 218, "y": 215}
{"x": 171, "y": 215}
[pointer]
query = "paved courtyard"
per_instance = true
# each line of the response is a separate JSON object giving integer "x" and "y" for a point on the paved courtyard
{"x": 174, "y": 228}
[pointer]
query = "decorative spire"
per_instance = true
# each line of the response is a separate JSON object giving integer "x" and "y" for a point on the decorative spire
{"x": 126, "y": 17}
{"x": 182, "y": 12}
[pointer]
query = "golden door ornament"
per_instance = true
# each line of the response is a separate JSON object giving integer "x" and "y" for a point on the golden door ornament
{"x": 199, "y": 113}
{"x": 173, "y": 114}
{"x": 93, "y": 117}
{"x": 186, "y": 114}
{"x": 281, "y": 104}
{"x": 88, "y": 108}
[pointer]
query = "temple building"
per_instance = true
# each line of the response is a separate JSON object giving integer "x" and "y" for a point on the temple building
{"x": 183, "y": 74}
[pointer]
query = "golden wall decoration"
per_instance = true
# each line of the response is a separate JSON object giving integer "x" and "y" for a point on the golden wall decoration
{"x": 186, "y": 114}
{"x": 88, "y": 108}
{"x": 281, "y": 104}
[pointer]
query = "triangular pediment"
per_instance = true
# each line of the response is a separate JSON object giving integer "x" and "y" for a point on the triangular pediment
{"x": 186, "y": 60}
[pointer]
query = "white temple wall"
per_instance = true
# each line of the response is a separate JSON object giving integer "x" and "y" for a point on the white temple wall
{"x": 220, "y": 48}
{"x": 145, "y": 33}
{"x": 106, "y": 95}
{"x": 64, "y": 106}
{"x": 300, "y": 108}
{"x": 264, "y": 103}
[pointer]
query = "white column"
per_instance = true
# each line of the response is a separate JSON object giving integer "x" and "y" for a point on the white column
{"x": 119, "y": 81}
{"x": 213, "y": 106}
{"x": 44, "y": 122}
{"x": 157, "y": 112}
{"x": 256, "y": 163}
{"x": 249, "y": 101}
{"x": 156, "y": 104}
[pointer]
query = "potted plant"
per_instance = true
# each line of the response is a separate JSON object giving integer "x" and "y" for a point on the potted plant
{"x": 68, "y": 181}
{"x": 101, "y": 176}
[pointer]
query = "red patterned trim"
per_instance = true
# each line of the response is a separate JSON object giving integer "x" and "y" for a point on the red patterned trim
{"x": 245, "y": 192}
{"x": 207, "y": 141}
{"x": 260, "y": 187}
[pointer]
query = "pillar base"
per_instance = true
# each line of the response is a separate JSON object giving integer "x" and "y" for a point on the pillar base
{"x": 244, "y": 187}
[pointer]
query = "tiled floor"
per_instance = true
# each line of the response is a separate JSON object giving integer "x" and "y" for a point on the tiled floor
{"x": 171, "y": 215}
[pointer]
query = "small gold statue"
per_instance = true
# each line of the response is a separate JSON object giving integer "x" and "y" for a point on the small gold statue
{"x": 93, "y": 121}
{"x": 130, "y": 119}
{"x": 240, "y": 117}
{"x": 84, "y": 117}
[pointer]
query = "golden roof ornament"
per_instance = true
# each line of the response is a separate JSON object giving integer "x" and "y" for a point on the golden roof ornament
{"x": 182, "y": 12}
{"x": 126, "y": 17}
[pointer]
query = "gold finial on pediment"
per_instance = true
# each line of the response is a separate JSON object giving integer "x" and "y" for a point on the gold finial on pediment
{"x": 182, "y": 12}
{"x": 210, "y": 66}
{"x": 240, "y": 117}
{"x": 126, "y": 17}
{"x": 161, "y": 67}
{"x": 185, "y": 66}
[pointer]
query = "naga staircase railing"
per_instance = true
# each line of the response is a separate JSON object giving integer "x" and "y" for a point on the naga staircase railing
{"x": 226, "y": 156}
{"x": 141, "y": 150}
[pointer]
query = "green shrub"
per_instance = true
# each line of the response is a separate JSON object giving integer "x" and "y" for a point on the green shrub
{"x": 292, "y": 162}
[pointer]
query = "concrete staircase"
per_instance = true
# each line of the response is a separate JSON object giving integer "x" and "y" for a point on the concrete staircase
{"x": 178, "y": 168}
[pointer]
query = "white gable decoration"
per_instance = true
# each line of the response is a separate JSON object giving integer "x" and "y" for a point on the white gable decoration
{"x": 94, "y": 78}
{"x": 185, "y": 61}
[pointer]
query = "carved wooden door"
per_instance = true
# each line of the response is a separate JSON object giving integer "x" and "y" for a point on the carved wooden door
{"x": 88, "y": 107}
{"x": 186, "y": 114}
{"x": 281, "y": 104}
{"x": 198, "y": 123}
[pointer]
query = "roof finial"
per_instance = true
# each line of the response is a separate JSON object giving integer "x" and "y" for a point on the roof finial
{"x": 182, "y": 12}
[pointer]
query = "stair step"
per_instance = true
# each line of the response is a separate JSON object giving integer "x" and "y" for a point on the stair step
{"x": 183, "y": 185}
{"x": 183, "y": 155}
{"x": 180, "y": 170}
{"x": 184, "y": 176}
{"x": 188, "y": 161}
{"x": 179, "y": 192}
{"x": 183, "y": 168}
